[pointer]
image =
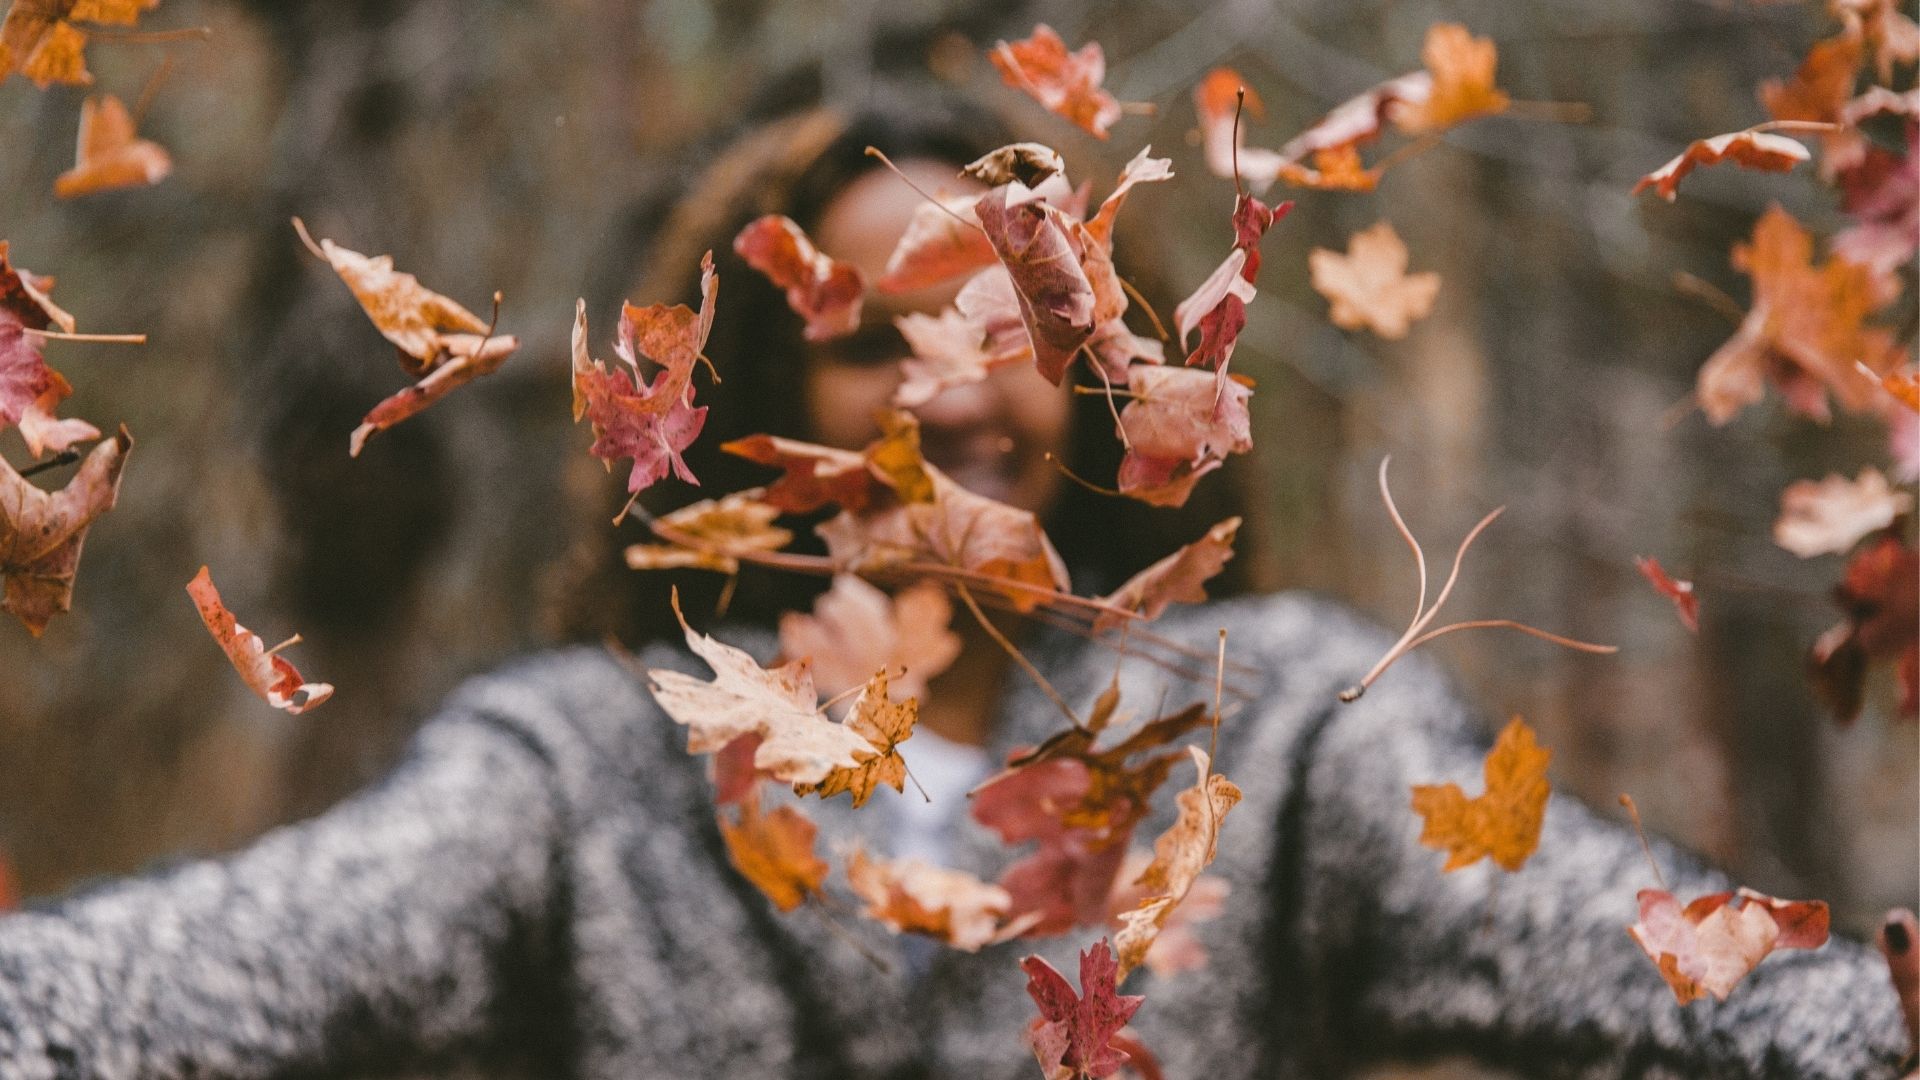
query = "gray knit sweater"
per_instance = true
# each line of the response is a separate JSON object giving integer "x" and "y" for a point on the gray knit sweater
{"x": 539, "y": 890}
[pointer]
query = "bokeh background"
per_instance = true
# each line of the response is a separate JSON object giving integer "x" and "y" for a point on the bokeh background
{"x": 521, "y": 146}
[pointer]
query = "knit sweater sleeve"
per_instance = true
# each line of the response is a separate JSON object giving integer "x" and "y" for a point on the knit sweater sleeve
{"x": 1534, "y": 969}
{"x": 400, "y": 924}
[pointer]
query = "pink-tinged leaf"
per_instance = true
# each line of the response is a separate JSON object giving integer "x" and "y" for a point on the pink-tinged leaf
{"x": 1065, "y": 83}
{"x": 1882, "y": 195}
{"x": 1685, "y": 602}
{"x": 1076, "y": 1029}
{"x": 41, "y": 533}
{"x": 734, "y": 776}
{"x": 856, "y": 630}
{"x": 1751, "y": 149}
{"x": 24, "y": 374}
{"x": 1218, "y": 308}
{"x": 43, "y": 431}
{"x": 1215, "y": 100}
{"x": 471, "y": 356}
{"x": 25, "y": 295}
{"x": 940, "y": 242}
{"x": 1711, "y": 944}
{"x": 989, "y": 301}
{"x": 1828, "y": 517}
{"x": 1180, "y": 578}
{"x": 1056, "y": 300}
{"x": 825, "y": 292}
{"x": 949, "y": 350}
{"x": 909, "y": 896}
{"x": 267, "y": 674}
{"x": 1181, "y": 424}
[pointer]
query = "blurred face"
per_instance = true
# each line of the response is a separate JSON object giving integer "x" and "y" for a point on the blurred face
{"x": 991, "y": 436}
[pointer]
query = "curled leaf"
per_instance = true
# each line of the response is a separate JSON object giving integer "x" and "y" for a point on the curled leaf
{"x": 1185, "y": 849}
{"x": 1750, "y": 149}
{"x": 41, "y": 533}
{"x": 884, "y": 724}
{"x": 265, "y": 672}
{"x": 1066, "y": 83}
{"x": 1181, "y": 424}
{"x": 1830, "y": 516}
{"x": 826, "y": 292}
{"x": 1685, "y": 601}
{"x": 1708, "y": 946}
{"x": 909, "y": 896}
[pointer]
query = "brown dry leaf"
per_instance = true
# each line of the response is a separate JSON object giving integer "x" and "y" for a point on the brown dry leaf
{"x": 41, "y": 533}
{"x": 884, "y": 724}
{"x": 909, "y": 896}
{"x": 1179, "y": 855}
{"x": 1176, "y": 948}
{"x": 1036, "y": 243}
{"x": 40, "y": 41}
{"x": 799, "y": 746}
{"x": 1710, "y": 945}
{"x": 1369, "y": 286}
{"x": 1750, "y": 149}
{"x": 775, "y": 852}
{"x": 25, "y": 295}
{"x": 1460, "y": 73}
{"x": 1880, "y": 597}
{"x": 1830, "y": 516}
{"x": 1180, "y": 425}
{"x": 1503, "y": 823}
{"x": 1066, "y": 83}
{"x": 722, "y": 529}
{"x": 265, "y": 672}
{"x": 110, "y": 156}
{"x": 1029, "y": 164}
{"x": 855, "y": 630}
{"x": 1180, "y": 578}
{"x": 1805, "y": 332}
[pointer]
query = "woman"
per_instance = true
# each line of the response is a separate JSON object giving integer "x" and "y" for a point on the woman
{"x": 540, "y": 888}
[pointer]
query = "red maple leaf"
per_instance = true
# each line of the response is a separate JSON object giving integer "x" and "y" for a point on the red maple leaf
{"x": 1076, "y": 1030}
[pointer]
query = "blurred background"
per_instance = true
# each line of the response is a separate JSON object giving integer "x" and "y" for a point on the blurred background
{"x": 489, "y": 144}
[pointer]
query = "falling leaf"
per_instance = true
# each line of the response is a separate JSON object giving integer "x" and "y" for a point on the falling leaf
{"x": 735, "y": 780}
{"x": 940, "y": 242}
{"x": 1883, "y": 197}
{"x": 110, "y": 156}
{"x": 1709, "y": 946}
{"x": 884, "y": 724}
{"x": 719, "y": 531}
{"x": 812, "y": 476}
{"x": 826, "y": 292}
{"x": 1805, "y": 332}
{"x": 855, "y": 630}
{"x": 1880, "y": 597}
{"x": 774, "y": 851}
{"x": 1031, "y": 238}
{"x": 1028, "y": 164}
{"x": 1185, "y": 849}
{"x": 1176, "y": 948}
{"x": 24, "y": 294}
{"x": 43, "y": 431}
{"x": 1218, "y": 308}
{"x": 463, "y": 368}
{"x": 1685, "y": 601}
{"x": 1750, "y": 149}
{"x": 41, "y": 533}
{"x": 1181, "y": 424}
{"x": 265, "y": 672}
{"x": 1830, "y": 516}
{"x": 1075, "y": 1030}
{"x": 1503, "y": 823}
{"x": 427, "y": 328}
{"x": 1904, "y": 385}
{"x": 799, "y": 746}
{"x": 1180, "y": 578}
{"x": 1459, "y": 85}
{"x": 652, "y": 424}
{"x": 24, "y": 374}
{"x": 909, "y": 896}
{"x": 949, "y": 350}
{"x": 1821, "y": 86}
{"x": 40, "y": 41}
{"x": 1065, "y": 83}
{"x": 1223, "y": 141}
{"x": 1143, "y": 168}
{"x": 1369, "y": 286}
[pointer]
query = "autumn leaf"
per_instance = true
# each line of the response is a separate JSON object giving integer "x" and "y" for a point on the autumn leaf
{"x": 1369, "y": 286}
{"x": 1065, "y": 83}
{"x": 940, "y": 242}
{"x": 799, "y": 746}
{"x": 910, "y": 896}
{"x": 1076, "y": 1029}
{"x": 1708, "y": 946}
{"x": 1185, "y": 849}
{"x": 949, "y": 350}
{"x": 1904, "y": 386}
{"x": 1459, "y": 84}
{"x": 42, "y": 430}
{"x": 812, "y": 476}
{"x": 40, "y": 41}
{"x": 24, "y": 294}
{"x": 1176, "y": 948}
{"x": 264, "y": 670}
{"x": 1805, "y": 333}
{"x": 1031, "y": 239}
{"x": 1502, "y": 823}
{"x": 774, "y": 851}
{"x": 1882, "y": 195}
{"x": 1685, "y": 601}
{"x": 650, "y": 423}
{"x": 41, "y": 533}
{"x": 826, "y": 292}
{"x": 463, "y": 368}
{"x": 884, "y": 724}
{"x": 24, "y": 374}
{"x": 1821, "y": 85}
{"x": 1216, "y": 100}
{"x": 1218, "y": 308}
{"x": 427, "y": 328}
{"x": 1180, "y": 425}
{"x": 855, "y": 630}
{"x": 1749, "y": 149}
{"x": 717, "y": 531}
{"x": 1180, "y": 578}
{"x": 1830, "y": 516}
{"x": 110, "y": 156}
{"x": 1029, "y": 164}
{"x": 1880, "y": 598}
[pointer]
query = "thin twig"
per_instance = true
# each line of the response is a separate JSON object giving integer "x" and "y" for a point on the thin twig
{"x": 1159, "y": 328}
{"x": 95, "y": 339}
{"x": 1701, "y": 289}
{"x": 64, "y": 457}
{"x": 1626, "y": 800}
{"x": 1019, "y": 657}
{"x": 888, "y": 162}
{"x": 149, "y": 37}
{"x": 1509, "y": 624}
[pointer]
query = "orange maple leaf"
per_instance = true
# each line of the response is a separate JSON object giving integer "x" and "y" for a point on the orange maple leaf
{"x": 1460, "y": 69}
{"x": 39, "y": 40}
{"x": 110, "y": 155}
{"x": 1066, "y": 83}
{"x": 1502, "y": 823}
{"x": 774, "y": 851}
{"x": 1369, "y": 286}
{"x": 884, "y": 723}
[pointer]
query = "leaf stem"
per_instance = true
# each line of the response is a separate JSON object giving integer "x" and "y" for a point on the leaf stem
{"x": 96, "y": 339}
{"x": 1018, "y": 657}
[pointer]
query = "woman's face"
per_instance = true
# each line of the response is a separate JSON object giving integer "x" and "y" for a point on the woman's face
{"x": 992, "y": 436}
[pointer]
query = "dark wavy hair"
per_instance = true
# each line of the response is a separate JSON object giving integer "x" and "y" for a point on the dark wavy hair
{"x": 794, "y": 163}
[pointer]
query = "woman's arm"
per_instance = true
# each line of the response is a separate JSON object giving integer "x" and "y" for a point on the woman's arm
{"x": 1533, "y": 970}
{"x": 409, "y": 920}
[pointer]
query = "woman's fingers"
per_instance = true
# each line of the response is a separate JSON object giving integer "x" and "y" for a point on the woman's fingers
{"x": 1898, "y": 944}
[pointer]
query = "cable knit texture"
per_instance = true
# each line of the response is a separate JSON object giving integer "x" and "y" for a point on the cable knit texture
{"x": 539, "y": 890}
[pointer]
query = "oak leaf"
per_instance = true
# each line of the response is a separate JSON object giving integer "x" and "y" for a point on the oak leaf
{"x": 884, "y": 724}
{"x": 1830, "y": 516}
{"x": 1750, "y": 149}
{"x": 909, "y": 896}
{"x": 717, "y": 531}
{"x": 1180, "y": 425}
{"x": 824, "y": 291}
{"x": 774, "y": 851}
{"x": 41, "y": 533}
{"x": 1708, "y": 946}
{"x": 1503, "y": 823}
{"x": 1179, "y": 855}
{"x": 110, "y": 155}
{"x": 1076, "y": 1029}
{"x": 264, "y": 670}
{"x": 1180, "y": 578}
{"x": 855, "y": 629}
{"x": 1065, "y": 83}
{"x": 1369, "y": 286}
{"x": 1685, "y": 602}
{"x": 798, "y": 745}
